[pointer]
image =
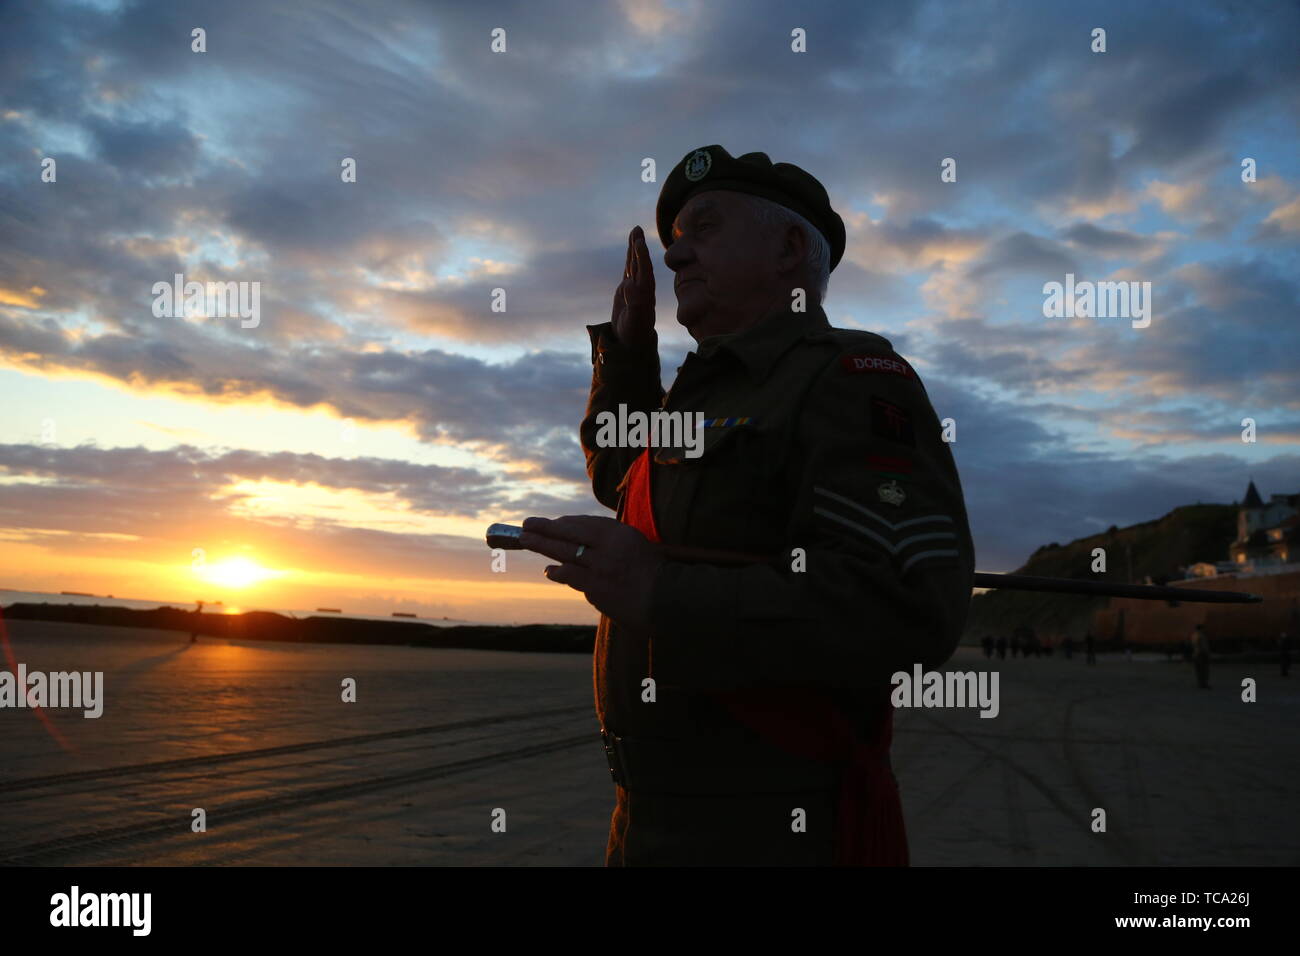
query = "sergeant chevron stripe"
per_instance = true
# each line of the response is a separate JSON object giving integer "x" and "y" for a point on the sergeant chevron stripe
{"x": 888, "y": 537}
{"x": 892, "y": 526}
{"x": 923, "y": 555}
{"x": 891, "y": 548}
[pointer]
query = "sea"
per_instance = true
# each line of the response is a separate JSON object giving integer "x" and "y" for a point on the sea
{"x": 9, "y": 597}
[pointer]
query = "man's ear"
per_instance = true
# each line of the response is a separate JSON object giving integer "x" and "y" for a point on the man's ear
{"x": 794, "y": 250}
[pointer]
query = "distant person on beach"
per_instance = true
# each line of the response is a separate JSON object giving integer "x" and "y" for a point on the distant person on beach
{"x": 1292, "y": 630}
{"x": 1002, "y": 647}
{"x": 734, "y": 690}
{"x": 1090, "y": 647}
{"x": 988, "y": 645}
{"x": 194, "y": 629}
{"x": 1015, "y": 643}
{"x": 1201, "y": 656}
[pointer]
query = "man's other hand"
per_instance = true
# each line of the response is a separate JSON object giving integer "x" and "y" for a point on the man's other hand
{"x": 611, "y": 563}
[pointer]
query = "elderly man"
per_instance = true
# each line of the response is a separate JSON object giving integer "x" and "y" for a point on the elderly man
{"x": 757, "y": 597}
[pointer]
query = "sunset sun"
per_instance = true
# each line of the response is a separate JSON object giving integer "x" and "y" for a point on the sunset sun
{"x": 236, "y": 573}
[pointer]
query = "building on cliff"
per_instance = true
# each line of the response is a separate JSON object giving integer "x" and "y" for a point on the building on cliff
{"x": 1268, "y": 535}
{"x": 1264, "y": 559}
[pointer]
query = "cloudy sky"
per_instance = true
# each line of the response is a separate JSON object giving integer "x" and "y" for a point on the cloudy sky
{"x": 358, "y": 439}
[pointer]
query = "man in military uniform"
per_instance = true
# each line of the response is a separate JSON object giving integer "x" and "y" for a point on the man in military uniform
{"x": 757, "y": 597}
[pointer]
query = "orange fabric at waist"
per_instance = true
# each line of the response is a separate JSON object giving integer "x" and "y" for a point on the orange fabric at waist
{"x": 638, "y": 505}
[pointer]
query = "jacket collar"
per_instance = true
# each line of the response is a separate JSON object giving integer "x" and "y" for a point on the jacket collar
{"x": 759, "y": 346}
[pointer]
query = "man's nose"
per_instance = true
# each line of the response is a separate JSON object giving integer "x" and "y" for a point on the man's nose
{"x": 677, "y": 255}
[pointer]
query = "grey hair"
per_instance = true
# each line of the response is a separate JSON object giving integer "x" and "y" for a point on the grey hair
{"x": 773, "y": 217}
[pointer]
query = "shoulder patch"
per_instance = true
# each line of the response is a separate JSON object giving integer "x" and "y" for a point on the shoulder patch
{"x": 892, "y": 422}
{"x": 878, "y": 364}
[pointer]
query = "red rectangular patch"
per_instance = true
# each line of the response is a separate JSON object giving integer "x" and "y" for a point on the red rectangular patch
{"x": 885, "y": 463}
{"x": 878, "y": 364}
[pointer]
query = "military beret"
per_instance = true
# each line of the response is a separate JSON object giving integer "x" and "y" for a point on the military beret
{"x": 712, "y": 167}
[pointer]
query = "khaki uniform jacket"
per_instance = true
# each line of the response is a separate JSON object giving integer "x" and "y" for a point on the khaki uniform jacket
{"x": 821, "y": 449}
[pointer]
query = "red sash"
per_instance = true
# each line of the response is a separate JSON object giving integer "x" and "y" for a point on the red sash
{"x": 869, "y": 828}
{"x": 638, "y": 506}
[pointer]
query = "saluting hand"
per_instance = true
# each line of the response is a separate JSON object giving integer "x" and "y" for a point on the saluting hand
{"x": 633, "y": 315}
{"x": 611, "y": 563}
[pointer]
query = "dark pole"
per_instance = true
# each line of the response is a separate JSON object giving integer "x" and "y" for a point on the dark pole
{"x": 1015, "y": 582}
{"x": 507, "y": 537}
{"x": 1147, "y": 592}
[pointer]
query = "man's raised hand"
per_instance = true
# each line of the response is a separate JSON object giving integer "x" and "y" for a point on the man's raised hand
{"x": 633, "y": 316}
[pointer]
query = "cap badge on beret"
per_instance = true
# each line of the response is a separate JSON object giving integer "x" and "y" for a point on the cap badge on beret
{"x": 698, "y": 165}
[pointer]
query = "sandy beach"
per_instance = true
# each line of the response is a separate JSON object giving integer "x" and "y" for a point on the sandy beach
{"x": 410, "y": 774}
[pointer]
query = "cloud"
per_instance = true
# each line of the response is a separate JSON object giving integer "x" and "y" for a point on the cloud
{"x": 136, "y": 502}
{"x": 144, "y": 148}
{"x": 1108, "y": 242}
{"x": 1283, "y": 220}
{"x": 525, "y": 410}
{"x": 1022, "y": 252}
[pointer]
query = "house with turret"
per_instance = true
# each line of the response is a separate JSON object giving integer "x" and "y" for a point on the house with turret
{"x": 1268, "y": 535}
